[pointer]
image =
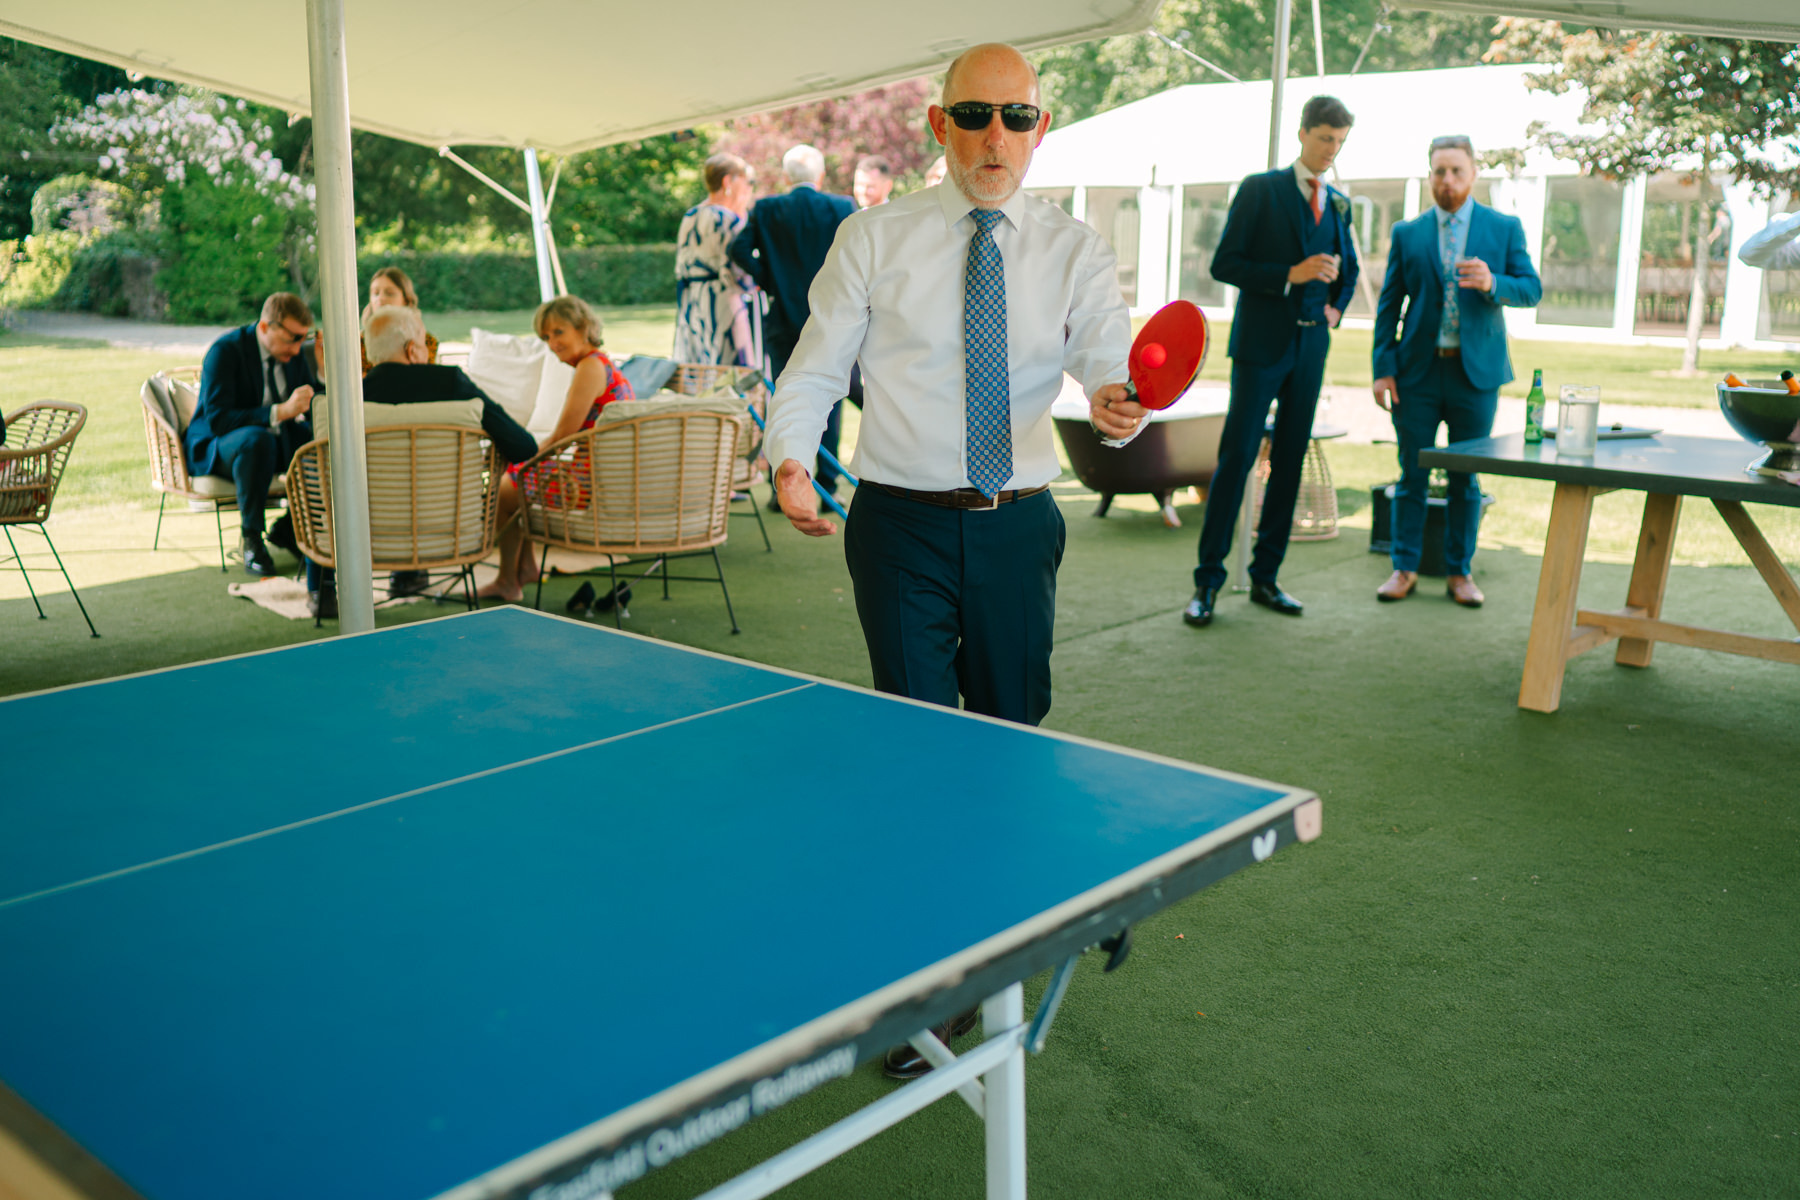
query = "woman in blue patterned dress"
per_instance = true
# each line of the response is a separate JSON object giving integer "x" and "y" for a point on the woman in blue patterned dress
{"x": 712, "y": 317}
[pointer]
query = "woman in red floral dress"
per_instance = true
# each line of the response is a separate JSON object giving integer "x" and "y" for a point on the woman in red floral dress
{"x": 572, "y": 331}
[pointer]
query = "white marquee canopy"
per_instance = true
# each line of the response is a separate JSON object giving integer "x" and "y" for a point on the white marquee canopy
{"x": 1765, "y": 20}
{"x": 557, "y": 75}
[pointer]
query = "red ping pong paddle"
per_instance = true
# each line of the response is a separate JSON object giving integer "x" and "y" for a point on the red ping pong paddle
{"x": 1167, "y": 354}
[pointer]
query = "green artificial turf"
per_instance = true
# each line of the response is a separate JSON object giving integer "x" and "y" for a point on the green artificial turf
{"x": 1532, "y": 955}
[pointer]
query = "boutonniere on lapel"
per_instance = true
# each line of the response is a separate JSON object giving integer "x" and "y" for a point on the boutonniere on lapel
{"x": 1341, "y": 203}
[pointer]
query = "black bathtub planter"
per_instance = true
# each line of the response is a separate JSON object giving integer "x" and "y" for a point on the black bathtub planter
{"x": 1180, "y": 448}
{"x": 1437, "y": 512}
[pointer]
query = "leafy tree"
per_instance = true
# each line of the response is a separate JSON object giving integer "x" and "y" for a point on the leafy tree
{"x": 1090, "y": 77}
{"x": 37, "y": 87}
{"x": 889, "y": 121}
{"x": 629, "y": 194}
{"x": 1665, "y": 102}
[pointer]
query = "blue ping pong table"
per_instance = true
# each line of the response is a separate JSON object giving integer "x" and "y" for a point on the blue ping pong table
{"x": 507, "y": 905}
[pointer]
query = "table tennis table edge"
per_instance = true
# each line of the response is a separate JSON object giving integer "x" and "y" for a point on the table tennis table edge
{"x": 827, "y": 1033}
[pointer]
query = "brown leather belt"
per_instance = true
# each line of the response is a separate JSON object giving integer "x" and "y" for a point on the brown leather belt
{"x": 1449, "y": 351}
{"x": 960, "y": 498}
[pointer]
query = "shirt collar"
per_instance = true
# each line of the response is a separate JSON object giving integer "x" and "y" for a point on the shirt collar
{"x": 1302, "y": 174}
{"x": 1461, "y": 214}
{"x": 957, "y": 206}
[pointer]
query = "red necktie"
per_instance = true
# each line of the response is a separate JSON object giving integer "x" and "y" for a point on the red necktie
{"x": 1318, "y": 206}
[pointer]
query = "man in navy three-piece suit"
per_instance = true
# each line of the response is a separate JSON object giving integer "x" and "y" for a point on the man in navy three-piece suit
{"x": 1453, "y": 267}
{"x": 1287, "y": 249}
{"x": 255, "y": 390}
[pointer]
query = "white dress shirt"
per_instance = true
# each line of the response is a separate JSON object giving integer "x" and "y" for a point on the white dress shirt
{"x": 1775, "y": 248}
{"x": 263, "y": 358}
{"x": 891, "y": 294}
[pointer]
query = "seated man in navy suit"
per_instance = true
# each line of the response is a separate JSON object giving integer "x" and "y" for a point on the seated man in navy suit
{"x": 1452, "y": 267}
{"x": 1288, "y": 250}
{"x": 255, "y": 390}
{"x": 782, "y": 245}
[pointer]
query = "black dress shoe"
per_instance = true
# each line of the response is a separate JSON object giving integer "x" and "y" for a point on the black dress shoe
{"x": 257, "y": 559}
{"x": 408, "y": 583}
{"x": 582, "y": 600}
{"x": 620, "y": 596}
{"x": 904, "y": 1062}
{"x": 1199, "y": 610}
{"x": 281, "y": 535}
{"x": 1270, "y": 596}
{"x": 322, "y": 604}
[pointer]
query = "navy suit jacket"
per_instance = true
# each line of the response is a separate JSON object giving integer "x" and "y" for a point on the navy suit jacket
{"x": 782, "y": 245}
{"x": 231, "y": 395}
{"x": 1415, "y": 274}
{"x": 1266, "y": 232}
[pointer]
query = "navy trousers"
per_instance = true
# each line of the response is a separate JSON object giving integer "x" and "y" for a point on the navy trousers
{"x": 1445, "y": 398}
{"x": 1294, "y": 380}
{"x": 255, "y": 455}
{"x": 956, "y": 602}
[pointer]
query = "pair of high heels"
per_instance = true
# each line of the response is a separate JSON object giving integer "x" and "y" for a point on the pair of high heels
{"x": 585, "y": 600}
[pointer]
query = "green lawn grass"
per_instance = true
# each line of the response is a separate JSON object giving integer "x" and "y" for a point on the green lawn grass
{"x": 1531, "y": 955}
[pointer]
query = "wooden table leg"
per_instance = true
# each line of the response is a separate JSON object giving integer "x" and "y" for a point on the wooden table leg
{"x": 1553, "y": 619}
{"x": 1768, "y": 563}
{"x": 1650, "y": 572}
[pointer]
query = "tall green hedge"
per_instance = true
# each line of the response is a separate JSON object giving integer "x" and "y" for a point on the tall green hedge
{"x": 604, "y": 275}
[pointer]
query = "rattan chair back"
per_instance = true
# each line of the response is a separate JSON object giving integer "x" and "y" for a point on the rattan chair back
{"x": 39, "y": 437}
{"x": 697, "y": 379}
{"x": 658, "y": 483}
{"x": 433, "y": 497}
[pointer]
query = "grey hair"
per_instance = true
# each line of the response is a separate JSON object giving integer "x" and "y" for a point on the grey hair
{"x": 803, "y": 164}
{"x": 389, "y": 330}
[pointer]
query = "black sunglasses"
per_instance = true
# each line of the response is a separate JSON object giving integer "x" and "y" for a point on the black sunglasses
{"x": 973, "y": 114}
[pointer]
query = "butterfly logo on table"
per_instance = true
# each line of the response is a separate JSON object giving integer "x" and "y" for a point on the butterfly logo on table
{"x": 1263, "y": 845}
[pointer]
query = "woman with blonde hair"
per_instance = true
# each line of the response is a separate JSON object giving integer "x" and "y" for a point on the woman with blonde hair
{"x": 712, "y": 315}
{"x": 572, "y": 331}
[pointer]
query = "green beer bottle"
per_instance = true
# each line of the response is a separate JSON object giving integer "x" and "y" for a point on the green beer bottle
{"x": 1534, "y": 409}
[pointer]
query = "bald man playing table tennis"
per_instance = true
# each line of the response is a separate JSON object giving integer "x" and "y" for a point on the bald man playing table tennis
{"x": 965, "y": 304}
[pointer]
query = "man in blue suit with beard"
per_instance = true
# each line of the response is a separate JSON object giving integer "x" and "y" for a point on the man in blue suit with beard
{"x": 1453, "y": 267}
{"x": 1287, "y": 249}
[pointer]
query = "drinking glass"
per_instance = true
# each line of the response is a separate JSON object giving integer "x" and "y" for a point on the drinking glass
{"x": 1577, "y": 420}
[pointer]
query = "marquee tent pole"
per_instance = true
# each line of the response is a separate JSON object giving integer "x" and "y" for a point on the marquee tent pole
{"x": 352, "y": 546}
{"x": 534, "y": 188}
{"x": 1278, "y": 75}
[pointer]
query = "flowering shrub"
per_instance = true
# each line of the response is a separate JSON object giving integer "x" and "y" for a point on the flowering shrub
{"x": 231, "y": 222}
{"x": 149, "y": 139}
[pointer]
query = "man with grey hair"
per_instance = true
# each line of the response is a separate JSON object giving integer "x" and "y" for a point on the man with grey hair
{"x": 782, "y": 245}
{"x": 404, "y": 375}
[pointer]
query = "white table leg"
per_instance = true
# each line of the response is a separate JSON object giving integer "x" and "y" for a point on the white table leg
{"x": 1005, "y": 1087}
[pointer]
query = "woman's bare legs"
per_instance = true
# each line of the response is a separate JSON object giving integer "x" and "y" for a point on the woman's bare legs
{"x": 513, "y": 542}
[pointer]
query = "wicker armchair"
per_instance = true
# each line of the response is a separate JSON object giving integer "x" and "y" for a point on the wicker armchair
{"x": 434, "y": 495}
{"x": 39, "y": 438}
{"x": 696, "y": 379}
{"x": 169, "y": 398}
{"x": 657, "y": 484}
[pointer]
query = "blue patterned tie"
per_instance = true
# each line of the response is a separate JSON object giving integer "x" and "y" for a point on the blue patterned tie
{"x": 984, "y": 354}
{"x": 1450, "y": 320}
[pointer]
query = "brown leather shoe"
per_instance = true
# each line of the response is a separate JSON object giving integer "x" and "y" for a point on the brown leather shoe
{"x": 1399, "y": 586}
{"x": 1462, "y": 589}
{"x": 903, "y": 1062}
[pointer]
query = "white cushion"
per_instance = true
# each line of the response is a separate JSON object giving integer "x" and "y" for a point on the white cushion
{"x": 508, "y": 369}
{"x": 436, "y": 412}
{"x": 522, "y": 376}
{"x": 217, "y": 487}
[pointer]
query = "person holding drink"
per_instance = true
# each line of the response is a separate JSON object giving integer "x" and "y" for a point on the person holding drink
{"x": 1451, "y": 269}
{"x": 1287, "y": 248}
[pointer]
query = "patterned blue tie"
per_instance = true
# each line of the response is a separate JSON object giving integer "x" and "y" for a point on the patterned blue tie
{"x": 1450, "y": 320}
{"x": 984, "y": 353}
